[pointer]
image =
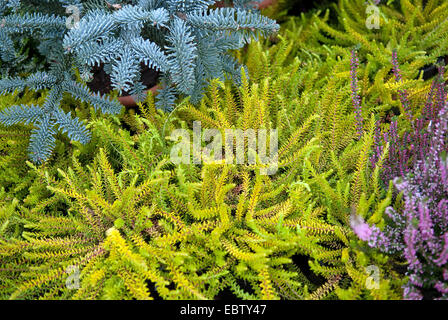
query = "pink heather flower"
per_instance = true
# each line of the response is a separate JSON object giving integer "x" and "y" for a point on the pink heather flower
{"x": 443, "y": 259}
{"x": 425, "y": 224}
{"x": 414, "y": 146}
{"x": 444, "y": 172}
{"x": 442, "y": 287}
{"x": 428, "y": 109}
{"x": 419, "y": 231}
{"x": 410, "y": 252}
{"x": 410, "y": 293}
{"x": 402, "y": 93}
{"x": 361, "y": 228}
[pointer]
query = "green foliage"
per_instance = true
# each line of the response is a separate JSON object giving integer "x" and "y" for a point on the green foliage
{"x": 13, "y": 143}
{"x": 137, "y": 226}
{"x": 136, "y": 218}
{"x": 339, "y": 179}
{"x": 187, "y": 42}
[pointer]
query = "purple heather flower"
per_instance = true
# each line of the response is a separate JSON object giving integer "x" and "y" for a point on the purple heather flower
{"x": 413, "y": 146}
{"x": 426, "y": 211}
{"x": 410, "y": 293}
{"x": 442, "y": 287}
{"x": 417, "y": 163}
{"x": 443, "y": 258}
{"x": 360, "y": 227}
{"x": 402, "y": 93}
{"x": 419, "y": 231}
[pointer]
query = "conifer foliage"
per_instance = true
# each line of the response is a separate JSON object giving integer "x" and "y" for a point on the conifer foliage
{"x": 186, "y": 40}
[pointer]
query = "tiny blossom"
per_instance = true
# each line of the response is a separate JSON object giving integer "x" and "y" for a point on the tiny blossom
{"x": 361, "y": 229}
{"x": 411, "y": 294}
{"x": 412, "y": 146}
{"x": 402, "y": 93}
{"x": 419, "y": 231}
{"x": 417, "y": 164}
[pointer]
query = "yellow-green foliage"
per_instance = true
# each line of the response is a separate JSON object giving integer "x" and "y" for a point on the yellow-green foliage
{"x": 338, "y": 179}
{"x": 16, "y": 178}
{"x": 139, "y": 227}
{"x": 187, "y": 231}
{"x": 417, "y": 30}
{"x": 13, "y": 145}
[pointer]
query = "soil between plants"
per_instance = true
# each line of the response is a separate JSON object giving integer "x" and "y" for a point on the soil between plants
{"x": 102, "y": 83}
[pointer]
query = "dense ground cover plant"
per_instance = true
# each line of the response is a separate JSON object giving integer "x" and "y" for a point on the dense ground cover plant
{"x": 185, "y": 40}
{"x": 133, "y": 225}
{"x": 342, "y": 179}
{"x": 261, "y": 224}
{"x": 406, "y": 146}
{"x": 413, "y": 144}
{"x": 418, "y": 231}
{"x": 411, "y": 138}
{"x": 211, "y": 248}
